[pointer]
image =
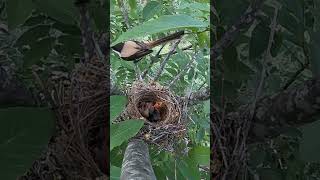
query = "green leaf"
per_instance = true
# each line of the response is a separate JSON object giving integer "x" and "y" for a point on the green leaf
{"x": 276, "y": 44}
{"x": 71, "y": 43}
{"x": 151, "y": 9}
{"x": 38, "y": 50}
{"x": 235, "y": 70}
{"x": 159, "y": 172}
{"x": 295, "y": 7}
{"x": 315, "y": 54}
{"x": 133, "y": 4}
{"x": 67, "y": 29}
{"x": 100, "y": 16}
{"x": 61, "y": 10}
{"x": 123, "y": 131}
{"x": 230, "y": 10}
{"x": 204, "y": 40}
{"x": 32, "y": 35}
{"x": 188, "y": 168}
{"x": 115, "y": 173}
{"x": 191, "y": 74}
{"x": 295, "y": 29}
{"x": 161, "y": 24}
{"x": 35, "y": 20}
{"x": 200, "y": 134}
{"x": 256, "y": 156}
{"x": 18, "y": 12}
{"x": 200, "y": 155}
{"x": 24, "y": 134}
{"x": 206, "y": 106}
{"x": 196, "y": 5}
{"x": 116, "y": 155}
{"x": 172, "y": 71}
{"x": 267, "y": 174}
{"x": 310, "y": 148}
{"x": 117, "y": 104}
{"x": 259, "y": 41}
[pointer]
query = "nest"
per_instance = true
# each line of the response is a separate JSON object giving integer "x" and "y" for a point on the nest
{"x": 77, "y": 150}
{"x": 165, "y": 132}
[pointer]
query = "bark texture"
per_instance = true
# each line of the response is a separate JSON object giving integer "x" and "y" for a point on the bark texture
{"x": 136, "y": 162}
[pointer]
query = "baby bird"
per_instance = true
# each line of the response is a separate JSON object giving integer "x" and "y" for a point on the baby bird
{"x": 148, "y": 111}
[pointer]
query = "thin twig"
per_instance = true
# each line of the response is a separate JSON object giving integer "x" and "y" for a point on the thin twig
{"x": 97, "y": 49}
{"x": 153, "y": 60}
{"x": 187, "y": 67}
{"x": 188, "y": 95}
{"x": 124, "y": 12}
{"x": 303, "y": 67}
{"x": 229, "y": 36}
{"x": 86, "y": 31}
{"x": 294, "y": 77}
{"x": 137, "y": 70}
{"x": 266, "y": 58}
{"x": 218, "y": 137}
{"x": 164, "y": 62}
{"x": 182, "y": 49}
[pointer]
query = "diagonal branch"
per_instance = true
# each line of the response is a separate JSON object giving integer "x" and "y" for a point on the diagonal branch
{"x": 124, "y": 12}
{"x": 164, "y": 62}
{"x": 229, "y": 36}
{"x": 186, "y": 68}
{"x": 86, "y": 31}
{"x": 293, "y": 107}
{"x": 201, "y": 95}
{"x": 153, "y": 60}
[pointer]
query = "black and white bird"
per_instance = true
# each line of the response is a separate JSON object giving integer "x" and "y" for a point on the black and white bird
{"x": 135, "y": 50}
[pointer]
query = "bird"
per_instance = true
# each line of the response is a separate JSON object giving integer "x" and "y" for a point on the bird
{"x": 145, "y": 108}
{"x": 134, "y": 50}
{"x": 159, "y": 105}
{"x": 154, "y": 116}
{"x": 148, "y": 111}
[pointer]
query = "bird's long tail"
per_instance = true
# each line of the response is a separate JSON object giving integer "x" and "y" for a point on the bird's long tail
{"x": 170, "y": 37}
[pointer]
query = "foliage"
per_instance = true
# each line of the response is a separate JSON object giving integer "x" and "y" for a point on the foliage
{"x": 238, "y": 74}
{"x": 24, "y": 134}
{"x": 149, "y": 20}
{"x": 42, "y": 36}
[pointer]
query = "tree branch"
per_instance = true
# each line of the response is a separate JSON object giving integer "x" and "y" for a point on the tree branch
{"x": 188, "y": 66}
{"x": 294, "y": 107}
{"x": 136, "y": 162}
{"x": 153, "y": 60}
{"x": 229, "y": 36}
{"x": 201, "y": 95}
{"x": 124, "y": 12}
{"x": 86, "y": 31}
{"x": 164, "y": 62}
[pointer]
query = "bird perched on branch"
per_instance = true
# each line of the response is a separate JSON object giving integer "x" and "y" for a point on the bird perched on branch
{"x": 135, "y": 50}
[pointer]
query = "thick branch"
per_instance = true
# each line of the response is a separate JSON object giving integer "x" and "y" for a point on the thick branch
{"x": 294, "y": 107}
{"x": 201, "y": 95}
{"x": 136, "y": 162}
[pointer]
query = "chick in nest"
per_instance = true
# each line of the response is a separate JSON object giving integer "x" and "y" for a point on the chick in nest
{"x": 151, "y": 110}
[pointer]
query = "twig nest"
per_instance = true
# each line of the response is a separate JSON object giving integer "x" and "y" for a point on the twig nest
{"x": 155, "y": 94}
{"x": 163, "y": 131}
